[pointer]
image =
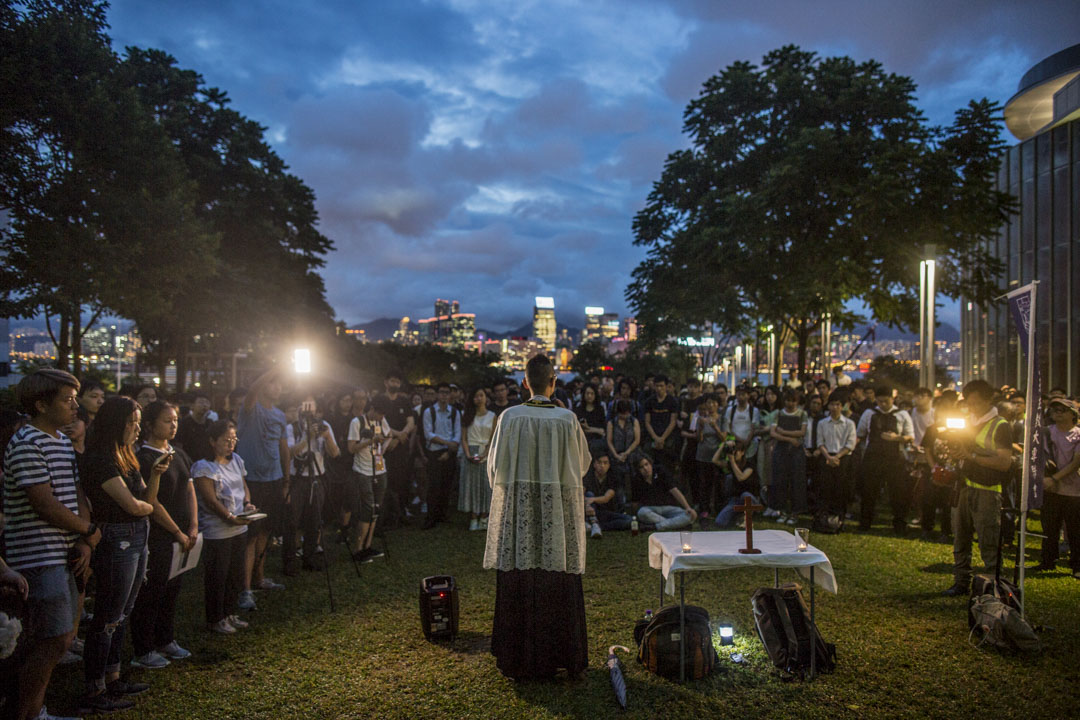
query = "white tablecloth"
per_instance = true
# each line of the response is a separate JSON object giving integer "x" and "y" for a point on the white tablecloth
{"x": 718, "y": 550}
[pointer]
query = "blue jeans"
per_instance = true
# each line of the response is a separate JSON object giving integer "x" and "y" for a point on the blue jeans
{"x": 609, "y": 519}
{"x": 120, "y": 566}
{"x": 725, "y": 517}
{"x": 664, "y": 517}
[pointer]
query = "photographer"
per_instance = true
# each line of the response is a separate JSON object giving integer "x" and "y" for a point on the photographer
{"x": 310, "y": 440}
{"x": 744, "y": 479}
{"x": 370, "y": 439}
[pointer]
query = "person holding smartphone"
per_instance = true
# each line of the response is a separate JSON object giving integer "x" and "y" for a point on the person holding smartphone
{"x": 224, "y": 497}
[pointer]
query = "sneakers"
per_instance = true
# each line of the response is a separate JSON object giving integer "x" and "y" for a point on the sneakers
{"x": 246, "y": 601}
{"x": 237, "y": 623}
{"x": 70, "y": 658}
{"x": 956, "y": 590}
{"x": 770, "y": 513}
{"x": 474, "y": 524}
{"x": 594, "y": 532}
{"x": 172, "y": 651}
{"x": 269, "y": 584}
{"x": 44, "y": 715}
{"x": 102, "y": 703}
{"x": 150, "y": 661}
{"x": 119, "y": 688}
{"x": 791, "y": 520}
{"x": 223, "y": 627}
{"x": 483, "y": 523}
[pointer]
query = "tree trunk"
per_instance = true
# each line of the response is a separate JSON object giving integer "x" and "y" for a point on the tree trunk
{"x": 180, "y": 352}
{"x": 803, "y": 336}
{"x": 64, "y": 344}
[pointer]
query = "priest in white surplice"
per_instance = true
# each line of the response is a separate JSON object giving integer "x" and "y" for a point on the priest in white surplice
{"x": 536, "y": 534}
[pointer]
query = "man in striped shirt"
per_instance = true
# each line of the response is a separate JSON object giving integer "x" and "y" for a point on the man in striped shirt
{"x": 49, "y": 536}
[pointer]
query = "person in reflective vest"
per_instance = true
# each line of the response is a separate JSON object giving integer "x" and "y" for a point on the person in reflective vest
{"x": 985, "y": 470}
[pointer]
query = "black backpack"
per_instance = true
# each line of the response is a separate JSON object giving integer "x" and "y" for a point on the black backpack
{"x": 827, "y": 523}
{"x": 789, "y": 636}
{"x": 658, "y": 643}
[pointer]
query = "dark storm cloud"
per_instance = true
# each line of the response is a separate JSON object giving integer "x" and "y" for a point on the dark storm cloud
{"x": 491, "y": 152}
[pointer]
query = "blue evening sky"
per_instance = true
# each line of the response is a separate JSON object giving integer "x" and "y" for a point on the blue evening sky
{"x": 494, "y": 151}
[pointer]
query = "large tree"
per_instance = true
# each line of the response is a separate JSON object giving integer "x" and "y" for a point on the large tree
{"x": 811, "y": 182}
{"x": 98, "y": 206}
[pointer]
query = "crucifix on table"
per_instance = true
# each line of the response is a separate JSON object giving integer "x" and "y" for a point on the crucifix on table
{"x": 749, "y": 509}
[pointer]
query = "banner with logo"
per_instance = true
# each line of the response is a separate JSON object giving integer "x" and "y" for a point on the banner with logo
{"x": 1022, "y": 306}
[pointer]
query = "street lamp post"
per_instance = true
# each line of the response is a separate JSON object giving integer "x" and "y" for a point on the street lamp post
{"x": 926, "y": 317}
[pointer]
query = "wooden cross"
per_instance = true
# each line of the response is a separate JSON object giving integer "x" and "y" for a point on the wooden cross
{"x": 749, "y": 510}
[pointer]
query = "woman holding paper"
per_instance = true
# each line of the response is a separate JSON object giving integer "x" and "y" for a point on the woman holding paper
{"x": 223, "y": 496}
{"x": 174, "y": 527}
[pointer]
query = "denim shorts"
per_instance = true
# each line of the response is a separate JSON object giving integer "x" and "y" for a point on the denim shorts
{"x": 53, "y": 600}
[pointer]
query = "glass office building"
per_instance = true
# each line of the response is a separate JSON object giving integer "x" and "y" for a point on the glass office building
{"x": 1042, "y": 241}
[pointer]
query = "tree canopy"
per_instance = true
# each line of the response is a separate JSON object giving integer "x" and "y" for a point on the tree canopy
{"x": 132, "y": 188}
{"x": 811, "y": 182}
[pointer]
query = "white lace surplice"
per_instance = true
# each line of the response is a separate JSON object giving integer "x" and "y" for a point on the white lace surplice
{"x": 537, "y": 520}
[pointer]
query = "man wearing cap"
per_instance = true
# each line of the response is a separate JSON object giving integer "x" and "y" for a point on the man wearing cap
{"x": 985, "y": 470}
{"x": 1061, "y": 503}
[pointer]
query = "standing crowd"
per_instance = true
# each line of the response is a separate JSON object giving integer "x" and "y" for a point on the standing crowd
{"x": 103, "y": 494}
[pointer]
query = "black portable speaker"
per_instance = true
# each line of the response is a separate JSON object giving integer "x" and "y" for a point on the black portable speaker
{"x": 439, "y": 607}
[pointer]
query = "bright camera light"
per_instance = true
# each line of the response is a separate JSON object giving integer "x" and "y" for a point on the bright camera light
{"x": 302, "y": 360}
{"x": 955, "y": 423}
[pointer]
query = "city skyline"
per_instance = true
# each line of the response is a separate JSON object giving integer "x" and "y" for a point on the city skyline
{"x": 504, "y": 149}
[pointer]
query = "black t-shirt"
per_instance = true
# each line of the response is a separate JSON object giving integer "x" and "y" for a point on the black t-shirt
{"x": 497, "y": 409}
{"x": 194, "y": 437}
{"x": 612, "y": 481}
{"x": 660, "y": 413}
{"x": 750, "y": 484}
{"x": 399, "y": 413}
{"x": 173, "y": 488}
{"x": 94, "y": 472}
{"x": 658, "y": 492}
{"x": 594, "y": 418}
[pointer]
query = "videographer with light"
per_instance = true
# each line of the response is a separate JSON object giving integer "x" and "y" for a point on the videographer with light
{"x": 310, "y": 440}
{"x": 986, "y": 448}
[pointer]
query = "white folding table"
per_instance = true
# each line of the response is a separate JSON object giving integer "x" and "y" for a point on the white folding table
{"x": 719, "y": 550}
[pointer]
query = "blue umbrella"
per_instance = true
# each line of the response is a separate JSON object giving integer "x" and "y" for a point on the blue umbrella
{"x": 618, "y": 682}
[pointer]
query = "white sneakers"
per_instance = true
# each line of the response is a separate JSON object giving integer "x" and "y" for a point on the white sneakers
{"x": 223, "y": 626}
{"x": 474, "y": 524}
{"x": 268, "y": 584}
{"x": 150, "y": 661}
{"x": 246, "y": 600}
{"x": 172, "y": 651}
{"x": 237, "y": 623}
{"x": 594, "y": 532}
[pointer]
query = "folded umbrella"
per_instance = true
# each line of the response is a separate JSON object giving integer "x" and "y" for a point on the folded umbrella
{"x": 618, "y": 682}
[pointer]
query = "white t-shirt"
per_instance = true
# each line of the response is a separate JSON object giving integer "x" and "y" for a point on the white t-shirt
{"x": 229, "y": 489}
{"x": 369, "y": 461}
{"x": 479, "y": 433}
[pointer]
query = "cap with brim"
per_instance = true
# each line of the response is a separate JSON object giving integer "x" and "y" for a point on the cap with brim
{"x": 1067, "y": 404}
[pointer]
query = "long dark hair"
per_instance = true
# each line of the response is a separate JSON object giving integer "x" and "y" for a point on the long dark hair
{"x": 106, "y": 434}
{"x": 469, "y": 415}
{"x": 596, "y": 396}
{"x": 152, "y": 413}
{"x": 765, "y": 401}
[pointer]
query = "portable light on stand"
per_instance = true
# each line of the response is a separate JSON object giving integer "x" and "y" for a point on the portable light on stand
{"x": 302, "y": 361}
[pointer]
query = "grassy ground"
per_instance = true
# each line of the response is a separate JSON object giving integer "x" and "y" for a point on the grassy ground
{"x": 902, "y": 648}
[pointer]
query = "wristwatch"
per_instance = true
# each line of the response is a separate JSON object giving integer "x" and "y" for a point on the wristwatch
{"x": 90, "y": 530}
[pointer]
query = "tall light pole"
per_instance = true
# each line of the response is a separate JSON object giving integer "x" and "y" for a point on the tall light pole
{"x": 927, "y": 296}
{"x": 826, "y": 345}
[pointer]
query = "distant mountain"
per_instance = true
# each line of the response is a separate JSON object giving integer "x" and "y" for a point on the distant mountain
{"x": 526, "y": 330}
{"x": 943, "y": 332}
{"x": 381, "y": 329}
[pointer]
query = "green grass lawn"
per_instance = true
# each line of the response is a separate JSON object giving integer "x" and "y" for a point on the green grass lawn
{"x": 902, "y": 648}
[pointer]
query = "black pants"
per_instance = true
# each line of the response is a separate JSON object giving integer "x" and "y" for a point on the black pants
{"x": 223, "y": 575}
{"x": 398, "y": 470}
{"x": 305, "y": 515}
{"x": 885, "y": 470}
{"x": 832, "y": 485}
{"x": 934, "y": 500}
{"x": 440, "y": 480}
{"x": 1058, "y": 510}
{"x": 153, "y": 618}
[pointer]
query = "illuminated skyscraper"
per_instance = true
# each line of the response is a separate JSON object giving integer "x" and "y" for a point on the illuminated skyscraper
{"x": 593, "y": 317}
{"x": 544, "y": 322}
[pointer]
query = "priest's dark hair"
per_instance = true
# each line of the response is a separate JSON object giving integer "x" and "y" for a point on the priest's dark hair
{"x": 539, "y": 373}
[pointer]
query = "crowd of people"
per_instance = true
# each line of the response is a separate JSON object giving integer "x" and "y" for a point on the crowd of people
{"x": 100, "y": 490}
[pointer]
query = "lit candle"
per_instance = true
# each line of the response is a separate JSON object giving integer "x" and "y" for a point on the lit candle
{"x": 686, "y": 536}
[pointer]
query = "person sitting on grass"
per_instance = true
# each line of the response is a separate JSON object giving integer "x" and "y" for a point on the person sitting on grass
{"x": 604, "y": 497}
{"x": 653, "y": 493}
{"x": 743, "y": 480}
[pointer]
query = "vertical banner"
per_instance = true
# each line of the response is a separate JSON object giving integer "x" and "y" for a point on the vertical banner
{"x": 1022, "y": 306}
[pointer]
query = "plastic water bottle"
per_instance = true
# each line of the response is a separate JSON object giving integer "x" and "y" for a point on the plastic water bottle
{"x": 648, "y": 615}
{"x": 634, "y": 529}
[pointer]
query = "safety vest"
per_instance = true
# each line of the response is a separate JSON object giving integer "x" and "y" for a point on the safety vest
{"x": 984, "y": 439}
